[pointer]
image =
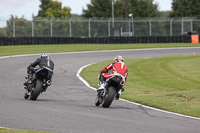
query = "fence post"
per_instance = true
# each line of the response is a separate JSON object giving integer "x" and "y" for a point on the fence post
{"x": 51, "y": 24}
{"x": 33, "y": 27}
{"x": 13, "y": 27}
{"x": 192, "y": 25}
{"x": 182, "y": 27}
{"x": 133, "y": 33}
{"x": 70, "y": 27}
{"x": 89, "y": 27}
{"x": 109, "y": 27}
{"x": 150, "y": 32}
{"x": 171, "y": 28}
{"x": 113, "y": 17}
{"x": 129, "y": 25}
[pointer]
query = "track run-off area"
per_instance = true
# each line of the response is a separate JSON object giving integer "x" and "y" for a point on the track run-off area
{"x": 68, "y": 104}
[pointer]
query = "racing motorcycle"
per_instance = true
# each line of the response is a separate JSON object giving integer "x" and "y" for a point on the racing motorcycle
{"x": 41, "y": 80}
{"x": 106, "y": 96}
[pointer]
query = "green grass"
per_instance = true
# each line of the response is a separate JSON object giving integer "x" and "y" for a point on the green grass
{"x": 5, "y": 130}
{"x": 169, "y": 83}
{"x": 31, "y": 49}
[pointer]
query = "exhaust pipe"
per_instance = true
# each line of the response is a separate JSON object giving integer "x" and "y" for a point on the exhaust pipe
{"x": 48, "y": 82}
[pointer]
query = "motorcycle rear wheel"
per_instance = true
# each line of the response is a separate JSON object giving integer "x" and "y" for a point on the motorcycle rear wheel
{"x": 109, "y": 97}
{"x": 37, "y": 91}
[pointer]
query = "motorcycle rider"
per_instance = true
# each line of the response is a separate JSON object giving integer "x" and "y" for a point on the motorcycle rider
{"x": 118, "y": 66}
{"x": 43, "y": 61}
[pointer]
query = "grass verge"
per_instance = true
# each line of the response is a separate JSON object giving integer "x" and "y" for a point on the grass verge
{"x": 5, "y": 130}
{"x": 32, "y": 49}
{"x": 169, "y": 83}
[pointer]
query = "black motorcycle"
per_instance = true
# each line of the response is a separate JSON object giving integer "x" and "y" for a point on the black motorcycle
{"x": 106, "y": 96}
{"x": 41, "y": 80}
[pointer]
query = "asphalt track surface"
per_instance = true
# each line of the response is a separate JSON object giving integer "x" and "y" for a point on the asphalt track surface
{"x": 68, "y": 105}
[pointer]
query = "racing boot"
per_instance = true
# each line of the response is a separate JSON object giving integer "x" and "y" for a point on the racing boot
{"x": 101, "y": 87}
{"x": 29, "y": 80}
{"x": 118, "y": 94}
{"x": 27, "y": 93}
{"x": 101, "y": 83}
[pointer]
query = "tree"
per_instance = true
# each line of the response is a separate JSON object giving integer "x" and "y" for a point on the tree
{"x": 53, "y": 9}
{"x": 185, "y": 8}
{"x": 22, "y": 27}
{"x": 102, "y": 8}
{"x": 43, "y": 7}
{"x": 146, "y": 8}
{"x": 98, "y": 9}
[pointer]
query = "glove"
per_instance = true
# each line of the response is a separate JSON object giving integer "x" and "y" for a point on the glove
{"x": 100, "y": 73}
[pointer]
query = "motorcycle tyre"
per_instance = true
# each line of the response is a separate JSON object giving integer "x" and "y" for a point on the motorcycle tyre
{"x": 109, "y": 97}
{"x": 37, "y": 91}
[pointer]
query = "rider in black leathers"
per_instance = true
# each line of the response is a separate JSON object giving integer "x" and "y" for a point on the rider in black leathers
{"x": 43, "y": 61}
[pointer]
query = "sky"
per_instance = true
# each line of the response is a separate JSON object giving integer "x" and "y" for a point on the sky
{"x": 31, "y": 7}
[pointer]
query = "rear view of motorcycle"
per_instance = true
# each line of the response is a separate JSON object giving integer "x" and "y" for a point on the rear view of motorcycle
{"x": 105, "y": 97}
{"x": 41, "y": 80}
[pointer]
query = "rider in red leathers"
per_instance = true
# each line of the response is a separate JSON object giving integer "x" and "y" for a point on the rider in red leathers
{"x": 118, "y": 67}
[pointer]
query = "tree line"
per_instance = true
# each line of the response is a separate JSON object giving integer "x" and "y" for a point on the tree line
{"x": 102, "y": 9}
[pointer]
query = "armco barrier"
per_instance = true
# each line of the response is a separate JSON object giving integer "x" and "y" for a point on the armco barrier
{"x": 100, "y": 40}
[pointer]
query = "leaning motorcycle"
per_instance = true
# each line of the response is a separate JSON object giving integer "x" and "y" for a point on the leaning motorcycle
{"x": 106, "y": 96}
{"x": 41, "y": 80}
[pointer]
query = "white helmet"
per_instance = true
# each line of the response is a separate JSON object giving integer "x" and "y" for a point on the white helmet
{"x": 44, "y": 55}
{"x": 119, "y": 59}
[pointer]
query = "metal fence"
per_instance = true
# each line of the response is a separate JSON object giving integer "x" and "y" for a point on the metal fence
{"x": 97, "y": 27}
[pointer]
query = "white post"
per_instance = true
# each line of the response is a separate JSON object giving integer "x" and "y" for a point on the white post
{"x": 13, "y": 27}
{"x": 109, "y": 27}
{"x": 89, "y": 27}
{"x": 113, "y": 25}
{"x": 192, "y": 25}
{"x": 131, "y": 15}
{"x": 150, "y": 32}
{"x": 171, "y": 27}
{"x": 133, "y": 33}
{"x": 129, "y": 25}
{"x": 51, "y": 27}
{"x": 70, "y": 27}
{"x": 182, "y": 27}
{"x": 33, "y": 27}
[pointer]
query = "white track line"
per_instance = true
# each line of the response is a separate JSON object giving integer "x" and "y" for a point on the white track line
{"x": 144, "y": 106}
